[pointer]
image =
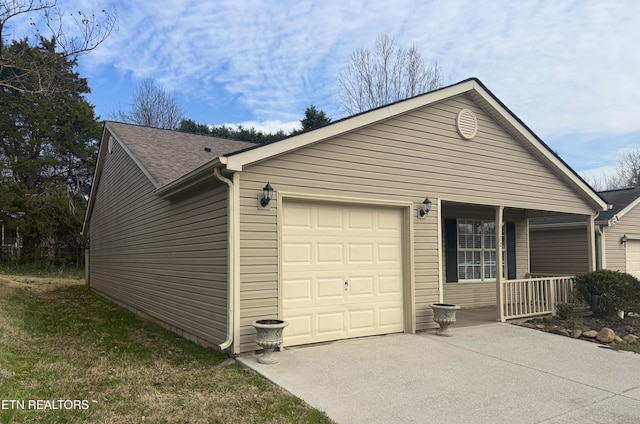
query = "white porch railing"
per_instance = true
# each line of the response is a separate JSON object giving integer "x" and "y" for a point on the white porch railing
{"x": 535, "y": 296}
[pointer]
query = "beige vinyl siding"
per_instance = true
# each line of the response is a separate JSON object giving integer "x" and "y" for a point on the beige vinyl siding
{"x": 164, "y": 258}
{"x": 558, "y": 251}
{"x": 258, "y": 263}
{"x": 398, "y": 160}
{"x": 629, "y": 224}
{"x": 470, "y": 295}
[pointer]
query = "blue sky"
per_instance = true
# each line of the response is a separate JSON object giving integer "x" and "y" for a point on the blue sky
{"x": 569, "y": 69}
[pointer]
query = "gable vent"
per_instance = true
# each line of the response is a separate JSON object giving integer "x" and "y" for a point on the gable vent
{"x": 467, "y": 124}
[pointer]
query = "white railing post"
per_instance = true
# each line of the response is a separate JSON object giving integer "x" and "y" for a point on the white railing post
{"x": 499, "y": 267}
{"x": 534, "y": 296}
{"x": 552, "y": 295}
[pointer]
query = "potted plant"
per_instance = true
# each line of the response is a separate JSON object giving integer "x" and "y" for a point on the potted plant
{"x": 445, "y": 315}
{"x": 269, "y": 337}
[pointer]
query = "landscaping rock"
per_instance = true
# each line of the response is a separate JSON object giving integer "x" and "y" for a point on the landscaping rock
{"x": 591, "y": 334}
{"x": 630, "y": 338}
{"x": 618, "y": 339}
{"x": 560, "y": 330}
{"x": 576, "y": 334}
{"x": 606, "y": 335}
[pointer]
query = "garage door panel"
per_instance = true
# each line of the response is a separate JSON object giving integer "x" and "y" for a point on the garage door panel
{"x": 297, "y": 216}
{"x": 387, "y": 221}
{"x": 363, "y": 286}
{"x": 390, "y": 317}
{"x": 330, "y": 289}
{"x": 389, "y": 253}
{"x": 633, "y": 257}
{"x": 297, "y": 252}
{"x": 328, "y": 218}
{"x": 362, "y": 253}
{"x": 360, "y": 219}
{"x": 330, "y": 253}
{"x": 362, "y": 320}
{"x": 330, "y": 323}
{"x": 297, "y": 290}
{"x": 299, "y": 326}
{"x": 338, "y": 243}
{"x": 389, "y": 285}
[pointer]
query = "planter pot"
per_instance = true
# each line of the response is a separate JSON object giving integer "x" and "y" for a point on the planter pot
{"x": 269, "y": 337}
{"x": 445, "y": 315}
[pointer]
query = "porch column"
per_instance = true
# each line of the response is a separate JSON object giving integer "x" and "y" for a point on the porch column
{"x": 499, "y": 266}
{"x": 591, "y": 241}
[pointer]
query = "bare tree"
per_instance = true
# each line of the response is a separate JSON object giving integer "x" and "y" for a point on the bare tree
{"x": 603, "y": 183}
{"x": 152, "y": 107}
{"x": 627, "y": 174}
{"x": 19, "y": 70}
{"x": 387, "y": 74}
{"x": 628, "y": 170}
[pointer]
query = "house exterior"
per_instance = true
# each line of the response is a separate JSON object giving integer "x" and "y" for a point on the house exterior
{"x": 343, "y": 247}
{"x": 559, "y": 245}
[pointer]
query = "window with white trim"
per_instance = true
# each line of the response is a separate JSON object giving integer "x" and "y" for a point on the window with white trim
{"x": 477, "y": 250}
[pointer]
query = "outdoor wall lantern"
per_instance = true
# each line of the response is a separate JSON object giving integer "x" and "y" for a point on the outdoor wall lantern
{"x": 623, "y": 239}
{"x": 424, "y": 208}
{"x": 267, "y": 195}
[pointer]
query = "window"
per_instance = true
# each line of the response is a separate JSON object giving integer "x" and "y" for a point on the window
{"x": 476, "y": 247}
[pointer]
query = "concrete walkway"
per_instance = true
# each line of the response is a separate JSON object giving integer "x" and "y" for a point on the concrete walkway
{"x": 493, "y": 373}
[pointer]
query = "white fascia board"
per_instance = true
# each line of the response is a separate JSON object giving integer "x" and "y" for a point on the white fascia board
{"x": 188, "y": 180}
{"x": 237, "y": 161}
{"x": 133, "y": 157}
{"x": 102, "y": 152}
{"x": 533, "y": 141}
{"x": 629, "y": 207}
{"x": 94, "y": 182}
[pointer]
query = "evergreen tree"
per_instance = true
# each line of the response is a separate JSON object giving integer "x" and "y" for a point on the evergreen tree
{"x": 313, "y": 119}
{"x": 47, "y": 152}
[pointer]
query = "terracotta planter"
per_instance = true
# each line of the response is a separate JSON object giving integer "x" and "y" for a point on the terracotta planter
{"x": 445, "y": 315}
{"x": 269, "y": 337}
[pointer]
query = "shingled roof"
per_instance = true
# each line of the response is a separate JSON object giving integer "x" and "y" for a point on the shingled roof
{"x": 168, "y": 155}
{"x": 619, "y": 200}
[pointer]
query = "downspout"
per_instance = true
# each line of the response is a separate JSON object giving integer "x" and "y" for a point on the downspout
{"x": 592, "y": 230}
{"x": 600, "y": 261}
{"x": 230, "y": 258}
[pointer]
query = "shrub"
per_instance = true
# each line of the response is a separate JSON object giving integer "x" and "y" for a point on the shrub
{"x": 564, "y": 311}
{"x": 607, "y": 292}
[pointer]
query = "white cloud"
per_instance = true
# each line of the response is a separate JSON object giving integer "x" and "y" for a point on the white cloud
{"x": 267, "y": 127}
{"x": 565, "y": 68}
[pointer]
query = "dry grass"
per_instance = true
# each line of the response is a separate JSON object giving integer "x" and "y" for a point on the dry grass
{"x": 60, "y": 341}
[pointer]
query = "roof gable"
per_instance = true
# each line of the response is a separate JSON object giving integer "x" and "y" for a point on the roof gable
{"x": 623, "y": 201}
{"x": 163, "y": 156}
{"x": 167, "y": 155}
{"x": 236, "y": 161}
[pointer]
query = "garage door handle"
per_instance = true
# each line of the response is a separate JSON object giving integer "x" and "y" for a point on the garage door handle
{"x": 346, "y": 285}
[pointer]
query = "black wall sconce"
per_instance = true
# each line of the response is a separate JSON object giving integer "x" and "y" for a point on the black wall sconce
{"x": 623, "y": 239}
{"x": 424, "y": 208}
{"x": 267, "y": 195}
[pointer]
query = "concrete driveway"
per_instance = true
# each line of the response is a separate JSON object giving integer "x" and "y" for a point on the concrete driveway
{"x": 493, "y": 373}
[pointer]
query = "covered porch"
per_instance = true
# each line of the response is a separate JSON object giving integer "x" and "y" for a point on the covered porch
{"x": 479, "y": 240}
{"x": 527, "y": 297}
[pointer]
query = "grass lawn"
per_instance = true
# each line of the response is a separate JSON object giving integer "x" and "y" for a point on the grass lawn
{"x": 61, "y": 342}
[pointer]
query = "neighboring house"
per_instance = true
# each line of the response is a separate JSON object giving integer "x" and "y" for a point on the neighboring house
{"x": 559, "y": 245}
{"x": 178, "y": 230}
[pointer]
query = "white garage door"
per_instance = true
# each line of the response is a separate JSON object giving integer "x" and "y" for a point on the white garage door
{"x": 341, "y": 272}
{"x": 633, "y": 257}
